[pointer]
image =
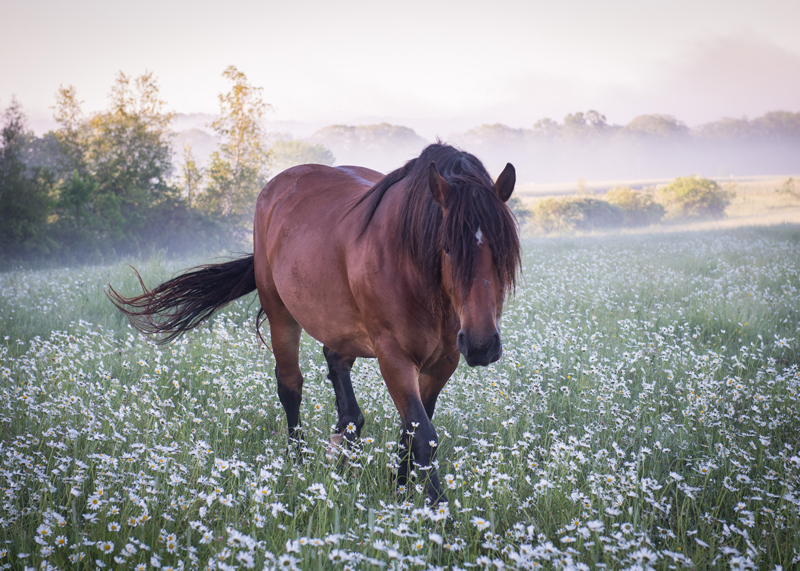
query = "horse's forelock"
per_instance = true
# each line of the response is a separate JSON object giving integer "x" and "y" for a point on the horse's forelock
{"x": 474, "y": 208}
{"x": 471, "y": 205}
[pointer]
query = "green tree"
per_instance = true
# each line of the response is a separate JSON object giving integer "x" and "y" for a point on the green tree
{"x": 695, "y": 197}
{"x": 288, "y": 153}
{"x": 129, "y": 154}
{"x": 25, "y": 193}
{"x": 72, "y": 132}
{"x": 239, "y": 169}
{"x": 192, "y": 176}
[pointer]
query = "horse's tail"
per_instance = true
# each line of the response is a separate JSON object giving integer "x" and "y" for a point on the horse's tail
{"x": 184, "y": 302}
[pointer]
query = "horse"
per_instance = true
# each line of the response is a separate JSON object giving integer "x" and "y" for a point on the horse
{"x": 411, "y": 268}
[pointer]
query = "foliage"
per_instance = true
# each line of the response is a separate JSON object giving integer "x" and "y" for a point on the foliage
{"x": 575, "y": 213}
{"x": 99, "y": 184}
{"x": 790, "y": 187}
{"x": 520, "y": 211}
{"x": 192, "y": 176}
{"x": 644, "y": 415}
{"x": 26, "y": 193}
{"x": 239, "y": 170}
{"x": 695, "y": 197}
{"x": 662, "y": 127}
{"x": 640, "y": 208}
{"x": 288, "y": 153}
{"x": 128, "y": 153}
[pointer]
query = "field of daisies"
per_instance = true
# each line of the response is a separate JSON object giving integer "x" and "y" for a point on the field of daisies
{"x": 645, "y": 415}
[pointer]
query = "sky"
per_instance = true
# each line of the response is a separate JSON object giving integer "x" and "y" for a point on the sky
{"x": 438, "y": 65}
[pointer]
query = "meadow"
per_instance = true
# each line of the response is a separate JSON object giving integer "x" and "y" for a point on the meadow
{"x": 645, "y": 415}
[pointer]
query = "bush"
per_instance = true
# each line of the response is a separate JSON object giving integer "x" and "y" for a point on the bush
{"x": 790, "y": 187}
{"x": 521, "y": 213}
{"x": 640, "y": 208}
{"x": 695, "y": 197}
{"x": 576, "y": 213}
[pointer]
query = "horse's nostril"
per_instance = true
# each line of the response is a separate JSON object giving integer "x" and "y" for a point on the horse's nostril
{"x": 461, "y": 343}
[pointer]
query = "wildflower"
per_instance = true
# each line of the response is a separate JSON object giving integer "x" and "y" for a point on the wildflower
{"x": 44, "y": 531}
{"x": 595, "y": 526}
{"x": 480, "y": 523}
{"x": 106, "y": 546}
{"x": 287, "y": 562}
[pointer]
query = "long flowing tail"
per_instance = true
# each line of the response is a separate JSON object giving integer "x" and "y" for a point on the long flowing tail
{"x": 184, "y": 302}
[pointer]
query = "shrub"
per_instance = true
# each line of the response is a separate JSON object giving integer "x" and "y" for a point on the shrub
{"x": 640, "y": 208}
{"x": 576, "y": 213}
{"x": 695, "y": 197}
{"x": 790, "y": 187}
{"x": 521, "y": 212}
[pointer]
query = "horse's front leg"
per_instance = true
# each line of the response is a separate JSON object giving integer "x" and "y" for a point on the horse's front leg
{"x": 419, "y": 440}
{"x": 351, "y": 420}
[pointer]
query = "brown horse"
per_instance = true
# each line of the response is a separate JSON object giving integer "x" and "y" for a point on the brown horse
{"x": 411, "y": 268}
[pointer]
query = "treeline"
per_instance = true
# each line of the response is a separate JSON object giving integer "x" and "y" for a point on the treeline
{"x": 105, "y": 183}
{"x": 650, "y": 146}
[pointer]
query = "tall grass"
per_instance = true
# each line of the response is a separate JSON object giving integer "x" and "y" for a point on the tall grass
{"x": 644, "y": 415}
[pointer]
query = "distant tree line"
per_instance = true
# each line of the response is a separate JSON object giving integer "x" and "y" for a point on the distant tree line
{"x": 650, "y": 146}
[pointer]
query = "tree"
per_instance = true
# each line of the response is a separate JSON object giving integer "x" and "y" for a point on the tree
{"x": 129, "y": 155}
{"x": 695, "y": 197}
{"x": 656, "y": 127}
{"x": 25, "y": 193}
{"x": 239, "y": 169}
{"x": 546, "y": 128}
{"x": 192, "y": 176}
{"x": 288, "y": 153}
{"x": 72, "y": 133}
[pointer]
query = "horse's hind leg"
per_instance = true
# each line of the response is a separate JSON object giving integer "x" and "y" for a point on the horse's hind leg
{"x": 350, "y": 418}
{"x": 285, "y": 337}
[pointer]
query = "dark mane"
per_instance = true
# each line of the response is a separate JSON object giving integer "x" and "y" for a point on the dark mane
{"x": 471, "y": 204}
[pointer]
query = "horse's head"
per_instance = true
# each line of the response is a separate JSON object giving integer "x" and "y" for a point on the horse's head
{"x": 480, "y": 254}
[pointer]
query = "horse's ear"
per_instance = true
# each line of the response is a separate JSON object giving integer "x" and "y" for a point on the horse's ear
{"x": 505, "y": 182}
{"x": 439, "y": 186}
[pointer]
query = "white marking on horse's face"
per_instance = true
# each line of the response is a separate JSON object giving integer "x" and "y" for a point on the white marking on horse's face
{"x": 479, "y": 236}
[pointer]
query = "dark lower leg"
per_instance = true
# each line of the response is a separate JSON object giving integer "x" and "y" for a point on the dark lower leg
{"x": 290, "y": 393}
{"x": 350, "y": 418}
{"x": 418, "y": 445}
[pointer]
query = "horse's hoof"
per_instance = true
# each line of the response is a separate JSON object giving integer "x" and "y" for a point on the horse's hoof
{"x": 334, "y": 451}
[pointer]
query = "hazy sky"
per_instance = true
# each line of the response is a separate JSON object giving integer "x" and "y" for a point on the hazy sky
{"x": 446, "y": 63}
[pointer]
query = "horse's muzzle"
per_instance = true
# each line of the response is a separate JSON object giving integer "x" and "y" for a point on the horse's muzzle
{"x": 480, "y": 352}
